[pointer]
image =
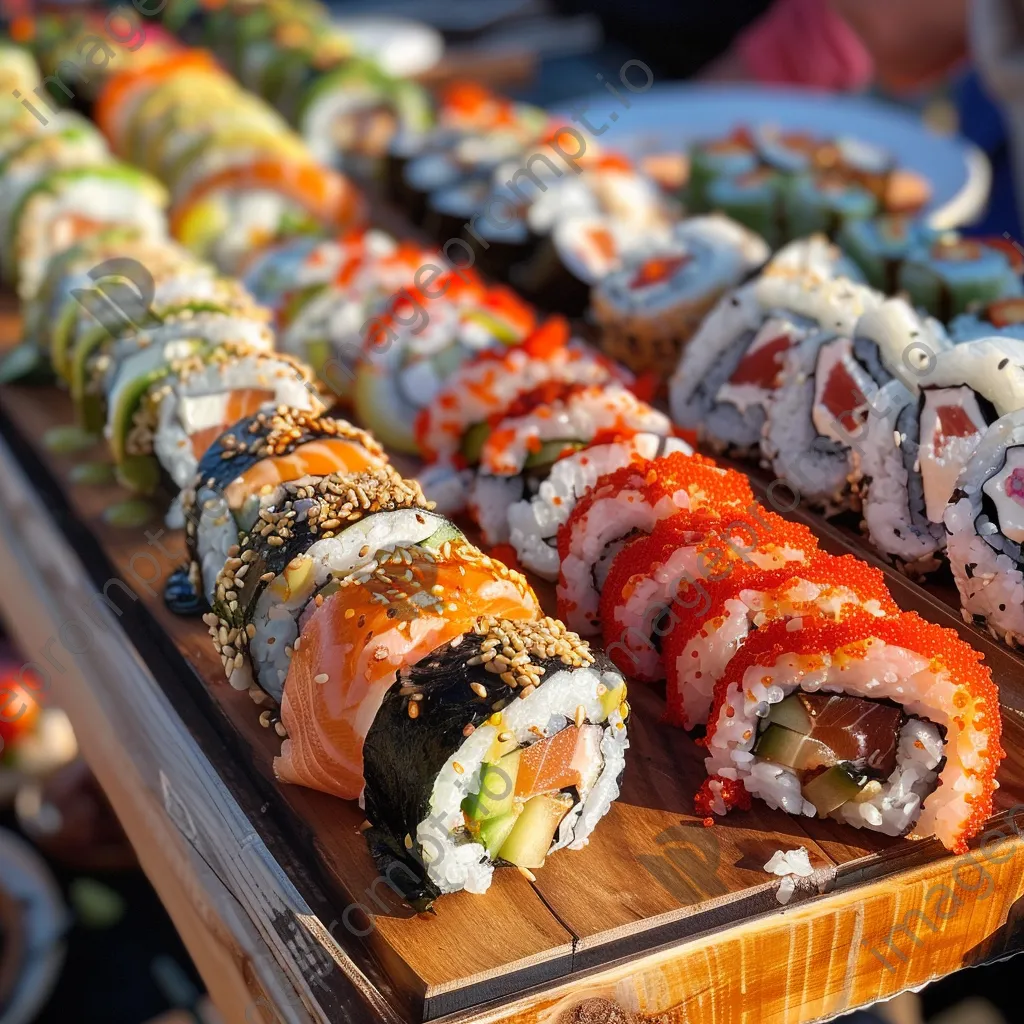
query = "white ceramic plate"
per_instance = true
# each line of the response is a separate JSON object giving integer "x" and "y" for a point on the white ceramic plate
{"x": 670, "y": 117}
{"x": 402, "y": 47}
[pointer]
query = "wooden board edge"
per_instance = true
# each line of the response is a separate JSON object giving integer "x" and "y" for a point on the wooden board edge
{"x": 841, "y": 951}
{"x": 262, "y": 952}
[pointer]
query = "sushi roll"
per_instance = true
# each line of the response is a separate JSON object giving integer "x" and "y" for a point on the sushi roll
{"x": 956, "y": 273}
{"x": 350, "y": 114}
{"x": 1003, "y": 318}
{"x": 454, "y": 428}
{"x": 66, "y": 205}
{"x": 104, "y": 353}
{"x": 166, "y": 403}
{"x": 404, "y": 366}
{"x": 244, "y": 471}
{"x": 486, "y": 771}
{"x": 984, "y": 522}
{"x": 534, "y": 520}
{"x": 541, "y": 428}
{"x": 718, "y": 159}
{"x": 648, "y": 309}
{"x": 754, "y": 199}
{"x": 879, "y": 246}
{"x": 819, "y": 417}
{"x": 370, "y": 625}
{"x": 825, "y": 202}
{"x": 242, "y": 208}
{"x": 656, "y": 580}
{"x": 730, "y": 375}
{"x": 890, "y": 724}
{"x": 315, "y": 532}
{"x": 722, "y": 613}
{"x": 624, "y": 504}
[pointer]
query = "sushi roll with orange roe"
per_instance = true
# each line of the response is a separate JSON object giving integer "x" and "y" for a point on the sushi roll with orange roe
{"x": 541, "y": 427}
{"x": 658, "y": 583}
{"x": 890, "y": 724}
{"x": 824, "y": 588}
{"x": 632, "y": 500}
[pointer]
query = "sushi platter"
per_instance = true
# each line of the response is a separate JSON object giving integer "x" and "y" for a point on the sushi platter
{"x": 643, "y": 643}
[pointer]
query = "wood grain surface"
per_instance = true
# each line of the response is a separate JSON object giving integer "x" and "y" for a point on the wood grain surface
{"x": 634, "y": 909}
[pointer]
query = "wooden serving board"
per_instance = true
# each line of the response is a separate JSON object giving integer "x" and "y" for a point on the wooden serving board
{"x": 635, "y": 916}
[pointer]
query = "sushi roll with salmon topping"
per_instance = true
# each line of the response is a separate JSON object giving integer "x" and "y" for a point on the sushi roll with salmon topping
{"x": 470, "y": 767}
{"x": 535, "y": 519}
{"x": 623, "y": 504}
{"x": 243, "y": 472}
{"x": 649, "y": 309}
{"x": 658, "y": 582}
{"x": 544, "y": 425}
{"x": 984, "y": 523}
{"x": 316, "y": 531}
{"x": 747, "y": 597}
{"x": 890, "y": 724}
{"x": 371, "y": 625}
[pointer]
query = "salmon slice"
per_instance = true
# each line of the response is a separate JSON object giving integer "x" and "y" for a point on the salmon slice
{"x": 237, "y": 405}
{"x": 315, "y": 458}
{"x": 353, "y": 645}
{"x": 555, "y": 763}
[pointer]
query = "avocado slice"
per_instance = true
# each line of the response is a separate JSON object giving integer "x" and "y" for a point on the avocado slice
{"x": 550, "y": 452}
{"x": 497, "y": 788}
{"x": 792, "y": 714}
{"x": 139, "y": 473}
{"x": 473, "y": 441}
{"x": 494, "y": 831}
{"x": 528, "y": 843}
{"x": 833, "y": 788}
{"x": 784, "y": 746}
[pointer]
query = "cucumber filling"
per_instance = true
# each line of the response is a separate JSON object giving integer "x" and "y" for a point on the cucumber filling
{"x": 841, "y": 748}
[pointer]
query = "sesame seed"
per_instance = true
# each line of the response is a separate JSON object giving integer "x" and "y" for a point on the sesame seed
{"x": 321, "y": 678}
{"x": 459, "y": 770}
{"x": 479, "y": 689}
{"x": 414, "y": 710}
{"x": 527, "y": 874}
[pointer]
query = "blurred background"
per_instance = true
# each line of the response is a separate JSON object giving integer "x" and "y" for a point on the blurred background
{"x": 91, "y": 941}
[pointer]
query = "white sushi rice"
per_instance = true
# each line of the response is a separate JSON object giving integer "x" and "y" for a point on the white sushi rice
{"x": 197, "y": 402}
{"x": 534, "y": 522}
{"x": 985, "y": 555}
{"x": 910, "y": 796}
{"x": 704, "y": 659}
{"x": 452, "y": 863}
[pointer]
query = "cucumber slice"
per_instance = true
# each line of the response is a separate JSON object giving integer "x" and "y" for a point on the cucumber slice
{"x": 784, "y": 746}
{"x": 473, "y": 441}
{"x": 499, "y": 748}
{"x": 497, "y": 788}
{"x": 833, "y": 788}
{"x": 550, "y": 452}
{"x": 611, "y": 699}
{"x": 792, "y": 714}
{"x": 139, "y": 473}
{"x": 448, "y": 533}
{"x": 495, "y": 831}
{"x": 529, "y": 841}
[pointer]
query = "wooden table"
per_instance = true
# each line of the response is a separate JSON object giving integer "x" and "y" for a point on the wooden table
{"x": 279, "y": 903}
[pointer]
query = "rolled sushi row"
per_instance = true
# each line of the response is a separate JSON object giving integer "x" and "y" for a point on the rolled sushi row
{"x": 785, "y": 185}
{"x": 345, "y": 106}
{"x": 58, "y": 184}
{"x": 239, "y": 178}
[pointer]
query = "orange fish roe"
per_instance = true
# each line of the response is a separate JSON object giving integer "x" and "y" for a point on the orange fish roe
{"x": 866, "y": 582}
{"x": 724, "y": 540}
{"x": 731, "y": 792}
{"x": 704, "y": 484}
{"x": 948, "y": 655}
